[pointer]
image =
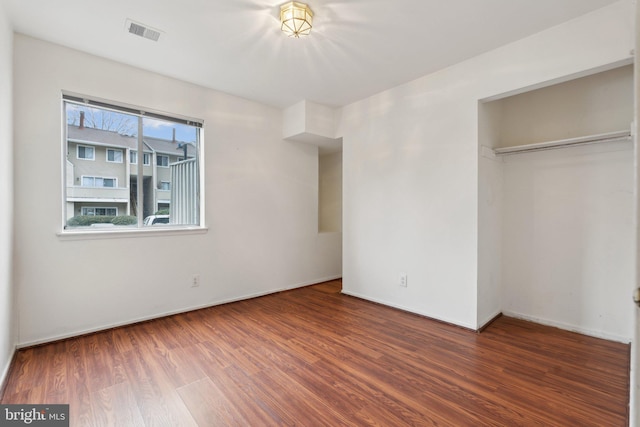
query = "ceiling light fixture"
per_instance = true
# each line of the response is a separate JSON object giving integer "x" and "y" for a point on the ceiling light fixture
{"x": 296, "y": 19}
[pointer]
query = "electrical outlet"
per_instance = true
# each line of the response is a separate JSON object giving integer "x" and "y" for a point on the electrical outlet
{"x": 403, "y": 280}
{"x": 195, "y": 280}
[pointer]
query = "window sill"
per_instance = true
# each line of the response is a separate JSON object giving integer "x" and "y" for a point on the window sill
{"x": 126, "y": 233}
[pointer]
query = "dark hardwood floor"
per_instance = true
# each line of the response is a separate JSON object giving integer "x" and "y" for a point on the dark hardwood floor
{"x": 315, "y": 357}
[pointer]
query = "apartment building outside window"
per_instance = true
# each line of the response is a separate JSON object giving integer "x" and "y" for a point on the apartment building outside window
{"x": 113, "y": 183}
{"x": 133, "y": 158}
{"x": 163, "y": 161}
{"x": 99, "y": 211}
{"x": 114, "y": 156}
{"x": 85, "y": 153}
{"x": 96, "y": 181}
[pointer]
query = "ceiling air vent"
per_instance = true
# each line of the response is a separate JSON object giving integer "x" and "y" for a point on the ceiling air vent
{"x": 142, "y": 30}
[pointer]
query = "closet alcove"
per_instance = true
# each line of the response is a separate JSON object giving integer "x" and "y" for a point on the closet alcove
{"x": 556, "y": 205}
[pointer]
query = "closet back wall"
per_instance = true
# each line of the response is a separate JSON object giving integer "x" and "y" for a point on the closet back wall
{"x": 598, "y": 103}
{"x": 567, "y": 218}
{"x": 568, "y": 239}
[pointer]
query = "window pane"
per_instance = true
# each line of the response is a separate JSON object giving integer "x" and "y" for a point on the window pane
{"x": 113, "y": 187}
{"x": 114, "y": 156}
{"x": 182, "y": 179}
{"x": 89, "y": 130}
{"x": 85, "y": 152}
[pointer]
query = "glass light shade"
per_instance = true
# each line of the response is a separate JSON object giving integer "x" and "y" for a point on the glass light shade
{"x": 296, "y": 19}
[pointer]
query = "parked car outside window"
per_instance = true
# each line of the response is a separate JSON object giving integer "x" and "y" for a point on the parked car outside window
{"x": 156, "y": 219}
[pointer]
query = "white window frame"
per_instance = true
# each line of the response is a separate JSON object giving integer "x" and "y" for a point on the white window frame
{"x": 114, "y": 150}
{"x": 168, "y": 186}
{"x": 146, "y": 158}
{"x": 158, "y": 162}
{"x": 196, "y": 227}
{"x": 85, "y": 158}
{"x": 83, "y": 208}
{"x": 115, "y": 181}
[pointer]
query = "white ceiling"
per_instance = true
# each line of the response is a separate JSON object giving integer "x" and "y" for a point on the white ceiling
{"x": 356, "y": 48}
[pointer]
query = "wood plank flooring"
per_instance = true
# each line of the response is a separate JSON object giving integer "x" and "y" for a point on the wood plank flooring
{"x": 315, "y": 357}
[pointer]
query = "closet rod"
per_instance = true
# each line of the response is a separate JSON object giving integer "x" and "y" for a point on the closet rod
{"x": 583, "y": 140}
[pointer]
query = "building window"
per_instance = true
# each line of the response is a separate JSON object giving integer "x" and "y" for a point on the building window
{"x": 133, "y": 158}
{"x": 163, "y": 161}
{"x": 91, "y": 211}
{"x": 96, "y": 181}
{"x": 85, "y": 153}
{"x": 134, "y": 130}
{"x": 114, "y": 156}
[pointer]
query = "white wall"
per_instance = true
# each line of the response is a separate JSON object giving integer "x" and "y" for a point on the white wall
{"x": 261, "y": 205}
{"x": 568, "y": 257}
{"x": 411, "y": 165}
{"x": 567, "y": 219}
{"x": 7, "y": 326}
{"x": 634, "y": 398}
{"x": 595, "y": 104}
{"x": 330, "y": 192}
{"x": 490, "y": 206}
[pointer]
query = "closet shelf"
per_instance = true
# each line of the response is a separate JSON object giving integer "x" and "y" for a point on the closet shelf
{"x": 583, "y": 140}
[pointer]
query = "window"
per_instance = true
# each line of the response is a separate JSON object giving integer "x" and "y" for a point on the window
{"x": 96, "y": 181}
{"x": 163, "y": 161}
{"x": 114, "y": 156}
{"x": 126, "y": 189}
{"x": 85, "y": 153}
{"x": 99, "y": 211}
{"x": 133, "y": 158}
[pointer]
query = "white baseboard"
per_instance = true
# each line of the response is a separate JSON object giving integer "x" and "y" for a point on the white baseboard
{"x": 142, "y": 319}
{"x": 489, "y": 319}
{"x": 315, "y": 282}
{"x": 168, "y": 313}
{"x": 569, "y": 327}
{"x": 410, "y": 310}
{"x": 5, "y": 371}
